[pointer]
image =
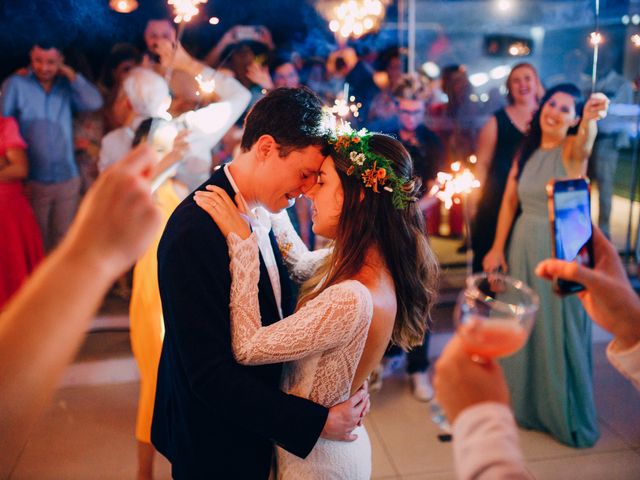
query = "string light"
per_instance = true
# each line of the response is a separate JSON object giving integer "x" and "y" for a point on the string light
{"x": 123, "y": 6}
{"x": 354, "y": 18}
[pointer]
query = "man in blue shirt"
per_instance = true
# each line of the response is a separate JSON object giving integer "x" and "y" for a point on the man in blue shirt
{"x": 43, "y": 101}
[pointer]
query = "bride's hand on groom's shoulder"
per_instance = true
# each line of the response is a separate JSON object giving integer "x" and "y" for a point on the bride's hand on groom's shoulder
{"x": 217, "y": 203}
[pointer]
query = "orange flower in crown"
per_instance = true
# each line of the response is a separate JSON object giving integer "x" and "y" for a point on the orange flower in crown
{"x": 373, "y": 169}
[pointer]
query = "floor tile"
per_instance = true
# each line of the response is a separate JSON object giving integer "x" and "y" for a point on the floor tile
{"x": 382, "y": 466}
{"x": 406, "y": 430}
{"x": 617, "y": 400}
{"x": 623, "y": 465}
{"x": 87, "y": 433}
{"x": 539, "y": 445}
{"x": 450, "y": 475}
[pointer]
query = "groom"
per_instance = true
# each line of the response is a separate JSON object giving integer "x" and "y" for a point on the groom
{"x": 214, "y": 418}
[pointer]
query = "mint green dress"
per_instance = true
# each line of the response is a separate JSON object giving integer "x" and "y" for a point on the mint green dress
{"x": 550, "y": 379}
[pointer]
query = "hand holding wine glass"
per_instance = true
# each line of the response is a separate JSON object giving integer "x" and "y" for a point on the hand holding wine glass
{"x": 494, "y": 315}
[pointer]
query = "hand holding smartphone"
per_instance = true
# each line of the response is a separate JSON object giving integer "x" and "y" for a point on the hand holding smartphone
{"x": 569, "y": 205}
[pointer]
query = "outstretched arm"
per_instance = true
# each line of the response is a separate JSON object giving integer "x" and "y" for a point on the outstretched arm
{"x": 580, "y": 145}
{"x": 43, "y": 325}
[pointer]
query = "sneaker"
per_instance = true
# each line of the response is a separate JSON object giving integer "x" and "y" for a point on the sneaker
{"x": 421, "y": 386}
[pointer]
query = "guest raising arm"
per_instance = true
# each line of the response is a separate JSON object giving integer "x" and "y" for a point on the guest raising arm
{"x": 561, "y": 337}
{"x": 43, "y": 325}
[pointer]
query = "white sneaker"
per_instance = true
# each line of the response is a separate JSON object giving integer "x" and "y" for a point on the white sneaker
{"x": 421, "y": 386}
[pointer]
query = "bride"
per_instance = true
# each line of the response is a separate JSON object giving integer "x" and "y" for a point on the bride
{"x": 375, "y": 283}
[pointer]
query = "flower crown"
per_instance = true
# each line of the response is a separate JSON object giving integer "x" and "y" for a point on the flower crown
{"x": 373, "y": 169}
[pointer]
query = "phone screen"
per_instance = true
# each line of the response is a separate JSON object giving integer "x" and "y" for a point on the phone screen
{"x": 572, "y": 226}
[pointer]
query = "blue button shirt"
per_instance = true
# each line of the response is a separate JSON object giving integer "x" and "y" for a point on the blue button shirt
{"x": 45, "y": 121}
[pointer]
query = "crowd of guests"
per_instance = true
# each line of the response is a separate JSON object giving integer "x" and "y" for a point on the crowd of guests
{"x": 61, "y": 130}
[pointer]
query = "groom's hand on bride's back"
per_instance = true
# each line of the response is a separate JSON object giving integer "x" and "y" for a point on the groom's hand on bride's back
{"x": 346, "y": 416}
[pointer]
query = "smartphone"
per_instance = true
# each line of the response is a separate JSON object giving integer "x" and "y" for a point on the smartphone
{"x": 571, "y": 230}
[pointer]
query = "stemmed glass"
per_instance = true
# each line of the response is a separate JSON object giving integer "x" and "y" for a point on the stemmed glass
{"x": 494, "y": 315}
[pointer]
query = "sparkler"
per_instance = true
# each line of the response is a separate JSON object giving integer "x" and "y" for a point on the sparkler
{"x": 184, "y": 11}
{"x": 596, "y": 40}
{"x": 449, "y": 187}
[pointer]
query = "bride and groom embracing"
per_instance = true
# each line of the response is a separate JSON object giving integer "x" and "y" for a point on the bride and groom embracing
{"x": 244, "y": 366}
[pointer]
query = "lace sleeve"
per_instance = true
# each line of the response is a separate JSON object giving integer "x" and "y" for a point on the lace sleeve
{"x": 331, "y": 319}
{"x": 300, "y": 262}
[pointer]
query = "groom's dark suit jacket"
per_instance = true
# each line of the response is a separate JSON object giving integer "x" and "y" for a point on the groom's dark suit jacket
{"x": 214, "y": 418}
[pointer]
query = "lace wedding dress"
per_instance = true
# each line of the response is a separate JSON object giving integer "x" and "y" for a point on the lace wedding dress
{"x": 321, "y": 345}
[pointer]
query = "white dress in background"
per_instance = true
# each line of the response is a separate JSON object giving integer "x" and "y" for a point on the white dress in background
{"x": 320, "y": 345}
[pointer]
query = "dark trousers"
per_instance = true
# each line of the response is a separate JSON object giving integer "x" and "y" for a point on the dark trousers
{"x": 417, "y": 358}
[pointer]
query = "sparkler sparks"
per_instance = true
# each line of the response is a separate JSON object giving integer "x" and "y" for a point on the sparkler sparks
{"x": 450, "y": 186}
{"x": 206, "y": 86}
{"x": 346, "y": 105}
{"x": 185, "y": 10}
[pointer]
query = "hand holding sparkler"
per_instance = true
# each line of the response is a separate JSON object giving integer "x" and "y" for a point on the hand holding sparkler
{"x": 184, "y": 11}
{"x": 596, "y": 107}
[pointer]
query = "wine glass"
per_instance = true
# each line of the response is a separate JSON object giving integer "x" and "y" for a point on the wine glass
{"x": 494, "y": 315}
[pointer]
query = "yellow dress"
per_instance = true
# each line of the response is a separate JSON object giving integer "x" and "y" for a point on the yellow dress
{"x": 145, "y": 316}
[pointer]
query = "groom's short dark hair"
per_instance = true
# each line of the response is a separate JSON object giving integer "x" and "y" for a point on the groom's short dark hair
{"x": 292, "y": 116}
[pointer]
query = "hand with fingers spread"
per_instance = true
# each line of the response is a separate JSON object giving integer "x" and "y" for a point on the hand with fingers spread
{"x": 608, "y": 297}
{"x": 345, "y": 417}
{"x": 217, "y": 203}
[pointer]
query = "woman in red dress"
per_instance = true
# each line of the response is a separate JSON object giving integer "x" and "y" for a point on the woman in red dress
{"x": 20, "y": 242}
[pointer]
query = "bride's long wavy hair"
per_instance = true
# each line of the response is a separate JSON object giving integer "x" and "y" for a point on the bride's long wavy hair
{"x": 369, "y": 218}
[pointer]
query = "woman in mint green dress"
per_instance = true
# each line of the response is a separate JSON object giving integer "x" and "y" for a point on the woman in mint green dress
{"x": 550, "y": 379}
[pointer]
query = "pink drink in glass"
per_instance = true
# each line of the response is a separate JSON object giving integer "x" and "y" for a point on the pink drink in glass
{"x": 491, "y": 338}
